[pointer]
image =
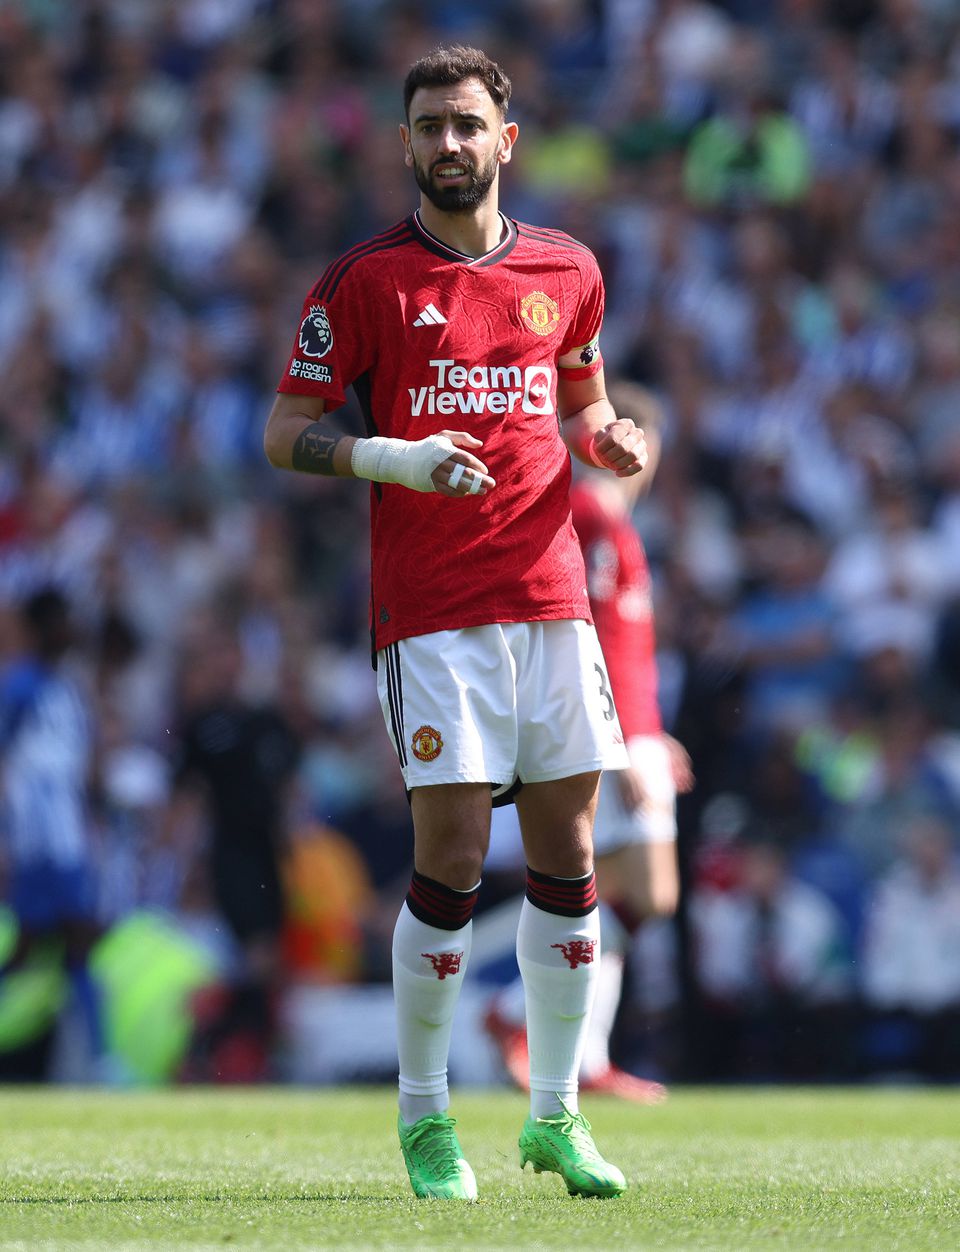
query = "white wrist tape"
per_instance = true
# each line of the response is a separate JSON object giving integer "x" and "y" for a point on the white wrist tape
{"x": 460, "y": 471}
{"x": 407, "y": 462}
{"x": 592, "y": 452}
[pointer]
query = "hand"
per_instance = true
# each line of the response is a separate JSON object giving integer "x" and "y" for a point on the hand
{"x": 621, "y": 447}
{"x": 630, "y": 786}
{"x": 680, "y": 764}
{"x": 465, "y": 481}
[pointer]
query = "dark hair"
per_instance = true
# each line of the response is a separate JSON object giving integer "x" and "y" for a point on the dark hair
{"x": 445, "y": 67}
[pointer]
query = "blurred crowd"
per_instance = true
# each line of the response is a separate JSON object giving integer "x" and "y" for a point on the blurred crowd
{"x": 773, "y": 192}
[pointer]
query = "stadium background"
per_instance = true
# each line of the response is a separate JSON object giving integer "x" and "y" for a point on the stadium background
{"x": 772, "y": 190}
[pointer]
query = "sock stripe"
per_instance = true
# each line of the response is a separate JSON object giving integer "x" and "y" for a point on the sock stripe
{"x": 567, "y": 897}
{"x": 436, "y": 904}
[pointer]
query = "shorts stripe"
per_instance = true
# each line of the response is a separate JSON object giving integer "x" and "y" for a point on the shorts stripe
{"x": 395, "y": 696}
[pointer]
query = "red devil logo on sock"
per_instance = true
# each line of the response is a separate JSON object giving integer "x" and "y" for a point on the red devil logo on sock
{"x": 577, "y": 951}
{"x": 444, "y": 962}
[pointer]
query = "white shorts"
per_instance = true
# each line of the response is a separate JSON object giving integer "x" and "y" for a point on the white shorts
{"x": 615, "y": 825}
{"x": 509, "y": 703}
{"x": 655, "y": 820}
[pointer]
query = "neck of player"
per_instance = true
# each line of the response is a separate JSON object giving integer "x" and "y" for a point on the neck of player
{"x": 473, "y": 233}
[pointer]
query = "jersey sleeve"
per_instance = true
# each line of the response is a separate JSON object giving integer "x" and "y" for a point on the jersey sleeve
{"x": 331, "y": 346}
{"x": 579, "y": 355}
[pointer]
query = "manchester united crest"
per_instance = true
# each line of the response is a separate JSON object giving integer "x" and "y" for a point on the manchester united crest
{"x": 540, "y": 314}
{"x": 444, "y": 963}
{"x": 426, "y": 743}
{"x": 577, "y": 951}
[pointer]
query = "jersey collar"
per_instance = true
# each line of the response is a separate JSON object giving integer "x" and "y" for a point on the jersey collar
{"x": 436, "y": 246}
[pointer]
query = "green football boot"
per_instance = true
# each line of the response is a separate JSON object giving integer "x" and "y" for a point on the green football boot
{"x": 434, "y": 1159}
{"x": 563, "y": 1145}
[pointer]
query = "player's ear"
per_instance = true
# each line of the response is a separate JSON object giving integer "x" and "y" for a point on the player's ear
{"x": 508, "y": 137}
{"x": 405, "y": 140}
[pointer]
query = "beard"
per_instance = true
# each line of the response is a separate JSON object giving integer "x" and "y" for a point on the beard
{"x": 457, "y": 199}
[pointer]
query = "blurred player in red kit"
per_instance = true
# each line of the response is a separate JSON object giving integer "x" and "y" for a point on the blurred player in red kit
{"x": 635, "y": 827}
{"x": 466, "y": 334}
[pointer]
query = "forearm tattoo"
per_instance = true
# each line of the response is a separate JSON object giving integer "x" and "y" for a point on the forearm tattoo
{"x": 314, "y": 448}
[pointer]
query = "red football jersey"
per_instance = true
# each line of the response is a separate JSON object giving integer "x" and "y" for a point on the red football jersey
{"x": 435, "y": 340}
{"x": 618, "y": 579}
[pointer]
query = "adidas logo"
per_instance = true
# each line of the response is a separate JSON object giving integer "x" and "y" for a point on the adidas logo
{"x": 430, "y": 316}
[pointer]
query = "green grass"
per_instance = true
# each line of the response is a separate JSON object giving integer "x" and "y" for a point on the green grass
{"x": 291, "y": 1169}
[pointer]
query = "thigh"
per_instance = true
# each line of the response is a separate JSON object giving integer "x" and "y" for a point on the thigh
{"x": 654, "y": 819}
{"x": 644, "y": 876}
{"x": 556, "y": 820}
{"x": 449, "y": 703}
{"x": 451, "y": 831}
{"x": 567, "y": 721}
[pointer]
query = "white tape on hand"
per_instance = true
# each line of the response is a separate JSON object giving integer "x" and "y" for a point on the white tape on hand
{"x": 592, "y": 452}
{"x": 476, "y": 484}
{"x": 454, "y": 480}
{"x": 408, "y": 462}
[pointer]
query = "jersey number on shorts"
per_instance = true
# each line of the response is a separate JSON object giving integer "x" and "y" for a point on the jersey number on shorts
{"x": 609, "y": 712}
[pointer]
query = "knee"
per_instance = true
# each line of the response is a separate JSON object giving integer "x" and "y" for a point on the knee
{"x": 451, "y": 832}
{"x": 572, "y": 860}
{"x": 643, "y": 897}
{"x": 663, "y": 899}
{"x": 457, "y": 868}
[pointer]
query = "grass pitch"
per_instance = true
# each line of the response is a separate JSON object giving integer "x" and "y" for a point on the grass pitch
{"x": 291, "y": 1169}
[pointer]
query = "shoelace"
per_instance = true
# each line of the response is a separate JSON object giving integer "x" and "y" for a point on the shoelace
{"x": 439, "y": 1150}
{"x": 577, "y": 1129}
